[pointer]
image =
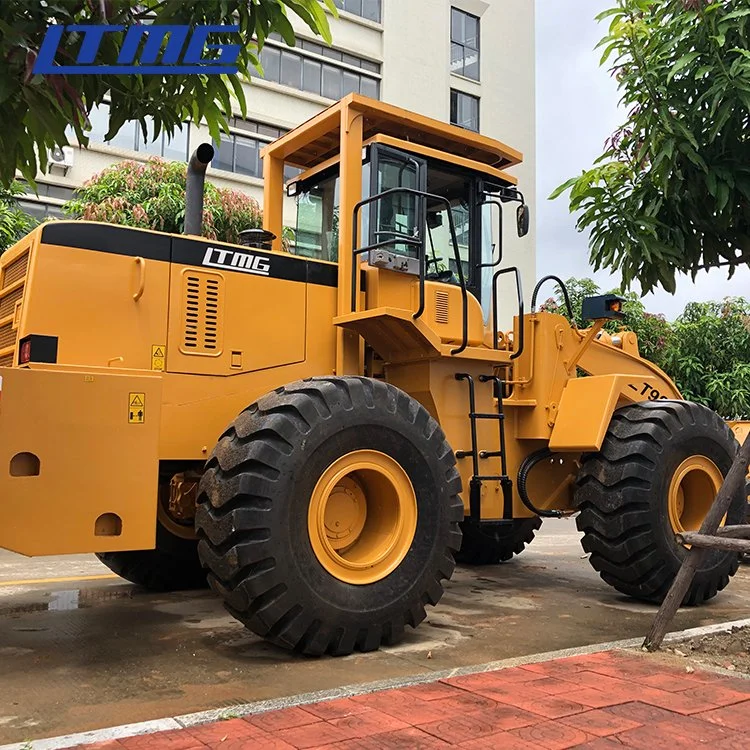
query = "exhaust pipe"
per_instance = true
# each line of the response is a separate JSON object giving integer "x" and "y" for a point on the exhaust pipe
{"x": 196, "y": 176}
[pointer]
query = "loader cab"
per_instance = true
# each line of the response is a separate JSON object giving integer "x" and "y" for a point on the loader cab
{"x": 403, "y": 226}
{"x": 415, "y": 268}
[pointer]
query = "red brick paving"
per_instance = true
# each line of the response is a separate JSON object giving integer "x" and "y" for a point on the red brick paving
{"x": 601, "y": 701}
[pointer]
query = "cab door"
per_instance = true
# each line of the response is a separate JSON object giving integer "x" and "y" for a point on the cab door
{"x": 396, "y": 217}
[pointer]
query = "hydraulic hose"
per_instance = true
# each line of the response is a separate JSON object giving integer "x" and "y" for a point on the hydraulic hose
{"x": 563, "y": 289}
{"x": 523, "y": 473}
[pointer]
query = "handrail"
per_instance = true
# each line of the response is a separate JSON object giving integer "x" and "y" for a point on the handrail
{"x": 420, "y": 243}
{"x": 563, "y": 289}
{"x": 519, "y": 293}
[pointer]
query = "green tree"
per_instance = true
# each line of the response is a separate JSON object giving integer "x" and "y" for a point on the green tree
{"x": 37, "y": 110}
{"x": 152, "y": 196}
{"x": 14, "y": 222}
{"x": 671, "y": 192}
{"x": 654, "y": 331}
{"x": 709, "y": 357}
{"x": 577, "y": 290}
{"x": 706, "y": 351}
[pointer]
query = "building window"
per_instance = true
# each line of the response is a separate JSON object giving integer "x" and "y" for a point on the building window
{"x": 320, "y": 70}
{"x": 464, "y": 110}
{"x": 239, "y": 151}
{"x": 369, "y": 9}
{"x": 464, "y": 44}
{"x": 46, "y": 202}
{"x": 130, "y": 137}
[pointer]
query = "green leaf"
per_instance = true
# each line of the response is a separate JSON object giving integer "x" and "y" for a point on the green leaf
{"x": 239, "y": 93}
{"x": 52, "y": 103}
{"x": 285, "y": 29}
{"x": 683, "y": 62}
{"x": 558, "y": 191}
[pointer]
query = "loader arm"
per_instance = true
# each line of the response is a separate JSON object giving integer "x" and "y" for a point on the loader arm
{"x": 602, "y": 358}
{"x": 617, "y": 376}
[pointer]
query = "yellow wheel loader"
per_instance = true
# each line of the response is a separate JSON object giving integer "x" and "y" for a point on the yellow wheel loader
{"x": 321, "y": 431}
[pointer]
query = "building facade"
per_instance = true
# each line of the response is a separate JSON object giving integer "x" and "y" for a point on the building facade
{"x": 470, "y": 62}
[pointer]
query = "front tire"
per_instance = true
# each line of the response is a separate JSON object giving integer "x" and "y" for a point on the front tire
{"x": 658, "y": 472}
{"x": 328, "y": 515}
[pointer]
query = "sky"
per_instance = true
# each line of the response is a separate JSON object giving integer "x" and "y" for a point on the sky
{"x": 577, "y": 109}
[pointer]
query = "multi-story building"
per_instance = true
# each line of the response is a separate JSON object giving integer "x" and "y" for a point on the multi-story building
{"x": 470, "y": 62}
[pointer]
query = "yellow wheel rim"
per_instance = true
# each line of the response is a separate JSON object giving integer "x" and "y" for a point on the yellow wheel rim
{"x": 362, "y": 517}
{"x": 692, "y": 491}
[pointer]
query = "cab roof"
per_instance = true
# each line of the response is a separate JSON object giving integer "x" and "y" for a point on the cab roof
{"x": 318, "y": 139}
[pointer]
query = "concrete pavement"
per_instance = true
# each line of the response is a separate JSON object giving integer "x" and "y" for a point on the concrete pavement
{"x": 82, "y": 655}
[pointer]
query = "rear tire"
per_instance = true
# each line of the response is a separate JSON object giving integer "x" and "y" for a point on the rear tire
{"x": 481, "y": 547}
{"x": 630, "y": 502}
{"x": 172, "y": 566}
{"x": 258, "y": 495}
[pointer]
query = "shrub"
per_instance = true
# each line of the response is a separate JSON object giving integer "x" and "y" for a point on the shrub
{"x": 152, "y": 196}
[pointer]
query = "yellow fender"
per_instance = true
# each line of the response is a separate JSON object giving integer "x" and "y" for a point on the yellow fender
{"x": 587, "y": 405}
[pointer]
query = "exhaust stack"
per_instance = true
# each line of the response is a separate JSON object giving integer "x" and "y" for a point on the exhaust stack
{"x": 196, "y": 176}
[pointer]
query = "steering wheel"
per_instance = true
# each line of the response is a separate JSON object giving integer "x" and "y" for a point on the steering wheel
{"x": 446, "y": 276}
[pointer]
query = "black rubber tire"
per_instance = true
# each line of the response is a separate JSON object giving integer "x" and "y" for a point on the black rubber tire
{"x": 253, "y": 507}
{"x": 173, "y": 566}
{"x": 483, "y": 547}
{"x": 622, "y": 492}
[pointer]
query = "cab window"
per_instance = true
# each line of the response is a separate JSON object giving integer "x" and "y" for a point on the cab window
{"x": 317, "y": 229}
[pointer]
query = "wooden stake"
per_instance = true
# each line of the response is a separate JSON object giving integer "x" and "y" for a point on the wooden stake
{"x": 736, "y": 532}
{"x": 734, "y": 482}
{"x": 714, "y": 542}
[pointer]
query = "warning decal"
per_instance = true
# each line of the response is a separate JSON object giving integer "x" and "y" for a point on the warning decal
{"x": 136, "y": 408}
{"x": 158, "y": 355}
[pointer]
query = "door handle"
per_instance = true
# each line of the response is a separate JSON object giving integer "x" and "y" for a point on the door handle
{"x": 141, "y": 263}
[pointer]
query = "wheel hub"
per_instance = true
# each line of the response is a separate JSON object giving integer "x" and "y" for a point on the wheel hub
{"x": 693, "y": 489}
{"x": 345, "y": 513}
{"x": 362, "y": 517}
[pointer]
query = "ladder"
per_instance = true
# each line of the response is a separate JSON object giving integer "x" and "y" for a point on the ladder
{"x": 477, "y": 478}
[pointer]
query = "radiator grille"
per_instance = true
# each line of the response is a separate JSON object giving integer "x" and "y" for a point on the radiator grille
{"x": 11, "y": 293}
{"x": 211, "y": 327}
{"x": 15, "y": 270}
{"x": 441, "y": 307}
{"x": 8, "y": 302}
{"x": 7, "y": 335}
{"x": 202, "y": 305}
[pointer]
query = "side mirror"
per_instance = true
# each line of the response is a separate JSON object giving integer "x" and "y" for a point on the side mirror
{"x": 523, "y": 218}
